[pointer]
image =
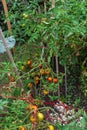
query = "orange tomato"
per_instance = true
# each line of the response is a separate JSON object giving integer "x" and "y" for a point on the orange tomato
{"x": 47, "y": 71}
{"x": 45, "y": 92}
{"x": 33, "y": 119}
{"x": 55, "y": 80}
{"x": 22, "y": 128}
{"x": 50, "y": 79}
{"x": 12, "y": 79}
{"x": 35, "y": 107}
{"x": 36, "y": 82}
{"x": 31, "y": 106}
{"x": 29, "y": 62}
{"x": 30, "y": 85}
{"x": 42, "y": 71}
{"x": 37, "y": 78}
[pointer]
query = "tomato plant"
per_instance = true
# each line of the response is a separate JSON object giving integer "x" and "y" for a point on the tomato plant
{"x": 51, "y": 57}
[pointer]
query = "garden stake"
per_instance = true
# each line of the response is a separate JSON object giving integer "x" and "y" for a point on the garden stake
{"x": 10, "y": 58}
{"x": 57, "y": 65}
{"x": 42, "y": 54}
{"x": 7, "y": 20}
{"x": 65, "y": 81}
{"x": 6, "y": 13}
{"x": 39, "y": 10}
{"x": 45, "y": 6}
{"x": 53, "y": 3}
{"x": 57, "y": 71}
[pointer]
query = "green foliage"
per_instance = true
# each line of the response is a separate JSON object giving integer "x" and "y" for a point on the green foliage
{"x": 14, "y": 114}
{"x": 63, "y": 32}
{"x": 62, "y": 29}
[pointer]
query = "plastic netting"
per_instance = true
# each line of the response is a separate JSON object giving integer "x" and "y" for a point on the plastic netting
{"x": 10, "y": 43}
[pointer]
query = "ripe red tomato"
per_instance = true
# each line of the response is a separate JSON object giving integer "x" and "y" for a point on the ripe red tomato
{"x": 55, "y": 80}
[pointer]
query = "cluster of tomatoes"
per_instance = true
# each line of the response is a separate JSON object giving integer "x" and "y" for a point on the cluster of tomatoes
{"x": 50, "y": 127}
{"x": 27, "y": 66}
{"x": 37, "y": 77}
{"x": 36, "y": 117}
{"x": 40, "y": 76}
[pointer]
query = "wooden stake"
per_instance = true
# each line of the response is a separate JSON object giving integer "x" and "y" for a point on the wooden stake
{"x": 56, "y": 58}
{"x": 10, "y": 58}
{"x": 45, "y": 6}
{"x": 65, "y": 81}
{"x": 53, "y": 3}
{"x": 39, "y": 10}
{"x": 6, "y": 14}
{"x": 57, "y": 71}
